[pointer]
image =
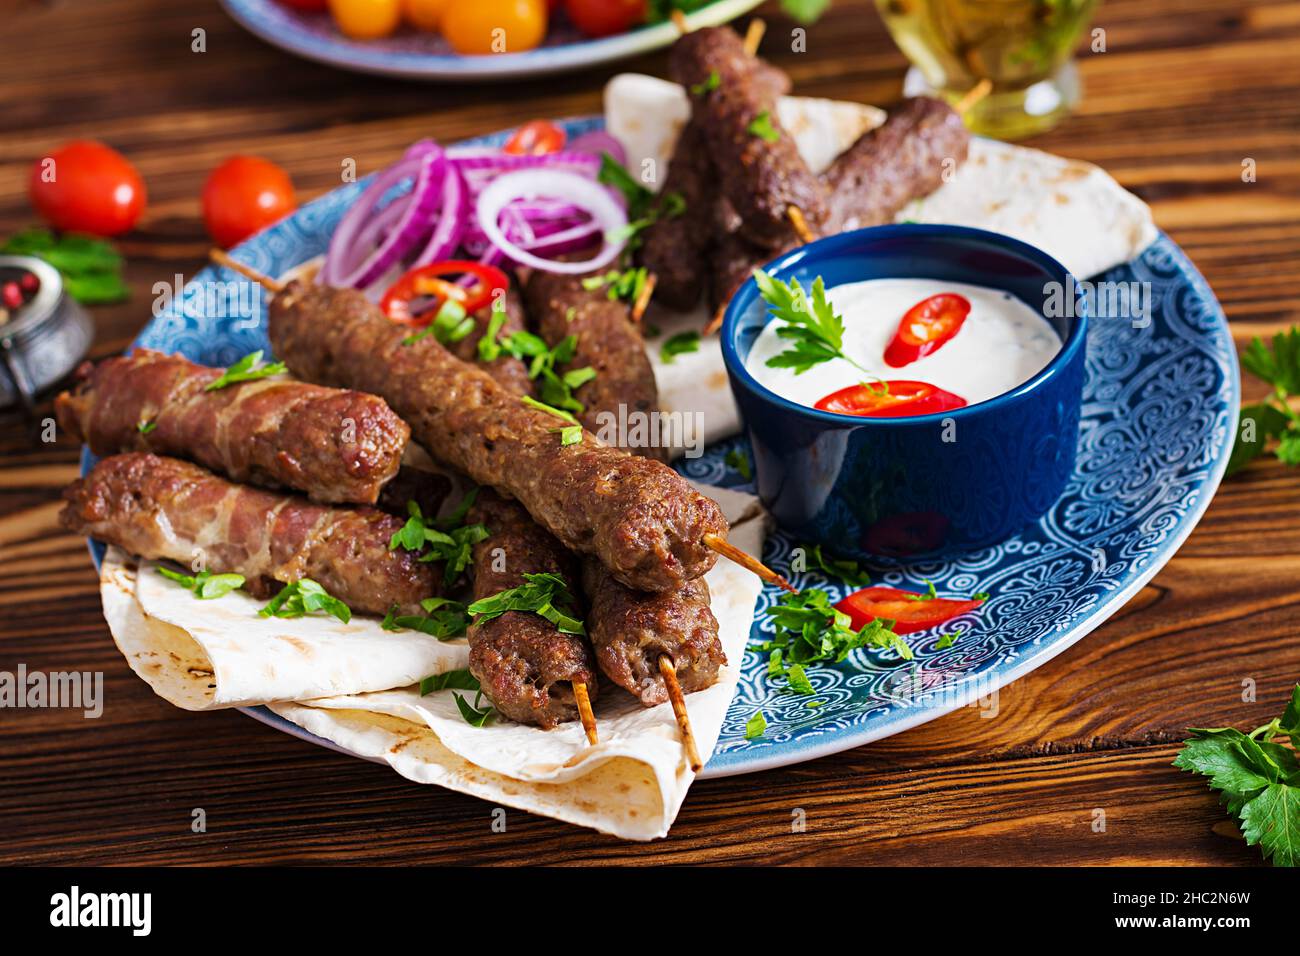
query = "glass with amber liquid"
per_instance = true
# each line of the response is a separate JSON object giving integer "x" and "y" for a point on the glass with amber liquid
{"x": 1023, "y": 47}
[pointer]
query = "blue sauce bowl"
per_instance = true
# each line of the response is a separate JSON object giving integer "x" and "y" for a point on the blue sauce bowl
{"x": 928, "y": 485}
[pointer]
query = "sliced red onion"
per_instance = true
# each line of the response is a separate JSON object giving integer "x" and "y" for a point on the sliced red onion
{"x": 430, "y": 168}
{"x": 590, "y": 196}
{"x": 596, "y": 142}
{"x": 451, "y": 221}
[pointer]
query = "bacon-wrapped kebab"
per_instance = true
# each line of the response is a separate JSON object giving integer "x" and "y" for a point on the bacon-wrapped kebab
{"x": 631, "y": 630}
{"x": 505, "y": 368}
{"x": 675, "y": 248}
{"x": 898, "y": 161}
{"x": 639, "y": 517}
{"x": 524, "y": 663}
{"x": 333, "y": 445}
{"x": 608, "y": 341}
{"x": 759, "y": 167}
{"x": 164, "y": 508}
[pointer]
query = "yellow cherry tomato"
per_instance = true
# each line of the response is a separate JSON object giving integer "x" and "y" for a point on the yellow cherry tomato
{"x": 494, "y": 26}
{"x": 366, "y": 19}
{"x": 424, "y": 15}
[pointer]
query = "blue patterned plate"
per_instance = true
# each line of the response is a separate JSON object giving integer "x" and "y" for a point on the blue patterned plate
{"x": 1159, "y": 413}
{"x": 424, "y": 56}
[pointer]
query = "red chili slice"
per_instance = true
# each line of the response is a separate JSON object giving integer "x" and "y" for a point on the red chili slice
{"x": 428, "y": 281}
{"x": 906, "y": 609}
{"x": 926, "y": 326}
{"x": 896, "y": 398}
{"x": 535, "y": 138}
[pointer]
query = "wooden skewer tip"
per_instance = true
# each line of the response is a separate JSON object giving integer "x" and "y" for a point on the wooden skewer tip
{"x": 223, "y": 258}
{"x": 748, "y": 562}
{"x": 976, "y": 93}
{"x": 799, "y": 223}
{"x": 754, "y": 35}
{"x": 715, "y": 323}
{"x": 675, "y": 697}
{"x": 585, "y": 714}
{"x": 679, "y": 21}
{"x": 643, "y": 300}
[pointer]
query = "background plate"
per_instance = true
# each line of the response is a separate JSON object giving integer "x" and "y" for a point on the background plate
{"x": 418, "y": 56}
{"x": 1159, "y": 415}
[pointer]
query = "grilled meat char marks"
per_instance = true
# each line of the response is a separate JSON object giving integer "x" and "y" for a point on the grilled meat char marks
{"x": 522, "y": 661}
{"x": 896, "y": 162}
{"x": 336, "y": 446}
{"x": 761, "y": 177}
{"x": 643, "y": 521}
{"x": 607, "y": 341}
{"x": 163, "y": 508}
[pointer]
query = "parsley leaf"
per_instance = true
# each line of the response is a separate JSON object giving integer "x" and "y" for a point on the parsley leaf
{"x": 761, "y": 126}
{"x": 626, "y": 285}
{"x": 445, "y": 619}
{"x": 439, "y": 542}
{"x": 460, "y": 680}
{"x": 682, "y": 343}
{"x": 708, "y": 85}
{"x": 644, "y": 208}
{"x": 756, "y": 725}
{"x": 1258, "y": 779}
{"x": 738, "y": 460}
{"x": 449, "y": 326}
{"x": 545, "y": 594}
{"x": 473, "y": 716}
{"x": 145, "y": 428}
{"x": 804, "y": 11}
{"x": 843, "y": 568}
{"x": 303, "y": 597}
{"x": 91, "y": 267}
{"x": 206, "y": 586}
{"x": 945, "y": 641}
{"x": 1277, "y": 363}
{"x": 246, "y": 369}
{"x": 815, "y": 330}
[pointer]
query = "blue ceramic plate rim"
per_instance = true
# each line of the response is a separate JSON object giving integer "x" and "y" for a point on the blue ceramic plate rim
{"x": 724, "y": 763}
{"x": 829, "y": 246}
{"x": 264, "y": 20}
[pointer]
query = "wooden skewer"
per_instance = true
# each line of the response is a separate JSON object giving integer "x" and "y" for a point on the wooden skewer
{"x": 223, "y": 258}
{"x": 976, "y": 93}
{"x": 754, "y": 35}
{"x": 679, "y": 21}
{"x": 669, "y": 673}
{"x": 643, "y": 300}
{"x": 733, "y": 553}
{"x": 588, "y": 719}
{"x": 800, "y": 224}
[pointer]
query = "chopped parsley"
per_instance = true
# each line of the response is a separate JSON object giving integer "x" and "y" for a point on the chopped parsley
{"x": 145, "y": 428}
{"x": 449, "y": 326}
{"x": 91, "y": 267}
{"x": 739, "y": 460}
{"x": 755, "y": 726}
{"x": 204, "y": 585}
{"x": 303, "y": 597}
{"x": 809, "y": 630}
{"x": 246, "y": 369}
{"x": 459, "y": 680}
{"x": 556, "y": 387}
{"x": 644, "y": 208}
{"x": 851, "y": 572}
{"x": 471, "y": 712}
{"x": 761, "y": 126}
{"x": 704, "y": 87}
{"x": 546, "y": 595}
{"x": 440, "y": 541}
{"x": 1258, "y": 779}
{"x": 945, "y": 641}
{"x": 626, "y": 285}
{"x": 444, "y": 619}
{"x": 571, "y": 433}
{"x": 680, "y": 344}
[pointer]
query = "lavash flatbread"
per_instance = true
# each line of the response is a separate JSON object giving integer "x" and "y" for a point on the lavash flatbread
{"x": 631, "y": 784}
{"x": 1073, "y": 210}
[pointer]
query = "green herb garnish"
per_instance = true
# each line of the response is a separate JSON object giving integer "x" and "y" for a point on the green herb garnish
{"x": 644, "y": 208}
{"x": 473, "y": 716}
{"x": 246, "y": 369}
{"x": 755, "y": 726}
{"x": 945, "y": 641}
{"x": 1258, "y": 779}
{"x": 91, "y": 268}
{"x": 680, "y": 344}
{"x": 761, "y": 126}
{"x": 303, "y": 597}
{"x": 440, "y": 541}
{"x": 458, "y": 680}
{"x": 568, "y": 436}
{"x": 814, "y": 329}
{"x": 626, "y": 285}
{"x": 145, "y": 428}
{"x": 1279, "y": 365}
{"x": 449, "y": 326}
{"x": 707, "y": 86}
{"x": 444, "y": 619}
{"x": 851, "y": 572}
{"x": 738, "y": 460}
{"x": 804, "y": 11}
{"x": 206, "y": 586}
{"x": 546, "y": 594}
{"x": 809, "y": 630}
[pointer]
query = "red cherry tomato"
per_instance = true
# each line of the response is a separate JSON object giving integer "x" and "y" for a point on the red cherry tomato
{"x": 535, "y": 138}
{"x": 926, "y": 326}
{"x": 309, "y": 6}
{"x": 908, "y": 610}
{"x": 85, "y": 186}
{"x": 242, "y": 195}
{"x": 601, "y": 18}
{"x": 897, "y": 398}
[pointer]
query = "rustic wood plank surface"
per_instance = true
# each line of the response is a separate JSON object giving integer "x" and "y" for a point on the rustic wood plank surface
{"x": 1187, "y": 90}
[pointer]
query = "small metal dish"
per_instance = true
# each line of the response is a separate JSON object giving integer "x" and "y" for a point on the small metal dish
{"x": 43, "y": 339}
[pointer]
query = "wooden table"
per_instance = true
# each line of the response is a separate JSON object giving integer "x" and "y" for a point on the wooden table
{"x": 1187, "y": 90}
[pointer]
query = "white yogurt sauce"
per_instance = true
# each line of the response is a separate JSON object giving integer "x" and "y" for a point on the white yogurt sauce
{"x": 1003, "y": 343}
